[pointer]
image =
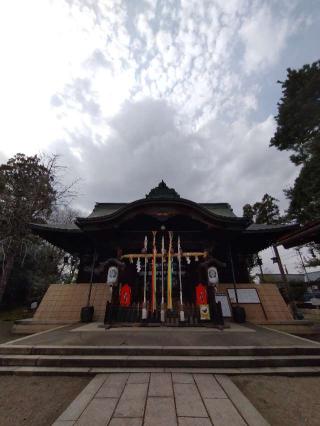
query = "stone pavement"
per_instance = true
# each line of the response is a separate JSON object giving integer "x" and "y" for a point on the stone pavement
{"x": 96, "y": 335}
{"x": 156, "y": 399}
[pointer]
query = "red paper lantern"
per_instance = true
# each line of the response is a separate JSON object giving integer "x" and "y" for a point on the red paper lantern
{"x": 125, "y": 295}
{"x": 201, "y": 294}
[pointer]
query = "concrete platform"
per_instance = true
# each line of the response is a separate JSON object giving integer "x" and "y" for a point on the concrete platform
{"x": 95, "y": 335}
{"x": 93, "y": 347}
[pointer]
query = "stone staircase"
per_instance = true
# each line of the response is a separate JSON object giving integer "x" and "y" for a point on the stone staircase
{"x": 93, "y": 359}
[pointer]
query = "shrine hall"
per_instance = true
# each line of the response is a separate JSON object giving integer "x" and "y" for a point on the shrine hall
{"x": 162, "y": 259}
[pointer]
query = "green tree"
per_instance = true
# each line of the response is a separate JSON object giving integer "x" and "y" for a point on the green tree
{"x": 304, "y": 195}
{"x": 298, "y": 119}
{"x": 29, "y": 190}
{"x": 298, "y": 131}
{"x": 265, "y": 211}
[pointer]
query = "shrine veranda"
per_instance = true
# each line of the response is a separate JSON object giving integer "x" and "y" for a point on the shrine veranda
{"x": 162, "y": 259}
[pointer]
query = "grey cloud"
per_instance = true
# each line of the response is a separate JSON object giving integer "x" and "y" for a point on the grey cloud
{"x": 78, "y": 94}
{"x": 193, "y": 124}
{"x": 142, "y": 121}
{"x": 56, "y": 101}
{"x": 98, "y": 59}
{"x": 224, "y": 163}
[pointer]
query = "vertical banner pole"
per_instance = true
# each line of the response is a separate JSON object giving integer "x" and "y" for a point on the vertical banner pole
{"x": 154, "y": 274}
{"x": 169, "y": 277}
{"x": 180, "y": 281}
{"x": 233, "y": 274}
{"x": 94, "y": 258}
{"x": 162, "y": 315}
{"x": 144, "y": 306}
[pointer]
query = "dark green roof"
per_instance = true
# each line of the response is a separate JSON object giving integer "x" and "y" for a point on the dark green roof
{"x": 162, "y": 191}
{"x": 256, "y": 227}
{"x": 221, "y": 209}
{"x": 69, "y": 227}
{"x": 106, "y": 209}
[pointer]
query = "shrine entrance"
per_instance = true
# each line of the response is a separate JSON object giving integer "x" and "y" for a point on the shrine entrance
{"x": 153, "y": 277}
{"x": 165, "y": 288}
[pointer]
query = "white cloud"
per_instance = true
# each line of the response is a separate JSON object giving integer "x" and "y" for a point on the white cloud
{"x": 220, "y": 162}
{"x": 160, "y": 89}
{"x": 264, "y": 35}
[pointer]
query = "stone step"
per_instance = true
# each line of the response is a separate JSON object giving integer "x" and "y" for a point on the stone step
{"x": 160, "y": 350}
{"x": 122, "y": 361}
{"x": 84, "y": 371}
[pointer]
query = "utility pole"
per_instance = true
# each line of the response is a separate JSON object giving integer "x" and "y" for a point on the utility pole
{"x": 303, "y": 265}
{"x": 285, "y": 280}
{"x": 259, "y": 262}
{"x": 278, "y": 261}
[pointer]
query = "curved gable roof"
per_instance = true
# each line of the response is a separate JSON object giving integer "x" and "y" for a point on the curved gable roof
{"x": 214, "y": 212}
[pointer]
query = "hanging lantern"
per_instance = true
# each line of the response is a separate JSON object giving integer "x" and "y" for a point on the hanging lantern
{"x": 213, "y": 275}
{"x": 112, "y": 277}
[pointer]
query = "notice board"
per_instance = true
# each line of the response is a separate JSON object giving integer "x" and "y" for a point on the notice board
{"x": 225, "y": 304}
{"x": 245, "y": 295}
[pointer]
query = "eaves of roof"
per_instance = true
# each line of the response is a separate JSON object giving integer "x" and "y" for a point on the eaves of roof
{"x": 263, "y": 228}
{"x": 56, "y": 227}
{"x": 127, "y": 208}
{"x": 303, "y": 235}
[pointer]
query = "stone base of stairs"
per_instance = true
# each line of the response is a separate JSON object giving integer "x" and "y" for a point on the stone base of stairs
{"x": 82, "y": 371}
{"x": 31, "y": 326}
{"x": 93, "y": 359}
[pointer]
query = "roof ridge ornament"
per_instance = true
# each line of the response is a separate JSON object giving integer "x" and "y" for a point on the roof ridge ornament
{"x": 162, "y": 191}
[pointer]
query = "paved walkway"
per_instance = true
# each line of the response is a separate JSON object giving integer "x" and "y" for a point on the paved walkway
{"x": 161, "y": 399}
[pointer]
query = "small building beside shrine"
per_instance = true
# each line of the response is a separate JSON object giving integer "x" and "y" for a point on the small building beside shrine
{"x": 158, "y": 251}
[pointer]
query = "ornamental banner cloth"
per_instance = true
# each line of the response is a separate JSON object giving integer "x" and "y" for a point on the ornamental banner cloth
{"x": 154, "y": 274}
{"x": 201, "y": 294}
{"x": 125, "y": 295}
{"x": 204, "y": 313}
{"x": 169, "y": 275}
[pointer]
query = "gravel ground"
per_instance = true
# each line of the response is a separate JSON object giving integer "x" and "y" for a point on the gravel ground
{"x": 283, "y": 401}
{"x": 36, "y": 401}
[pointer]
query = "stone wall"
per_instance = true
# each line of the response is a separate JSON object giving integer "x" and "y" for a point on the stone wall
{"x": 63, "y": 302}
{"x": 272, "y": 307}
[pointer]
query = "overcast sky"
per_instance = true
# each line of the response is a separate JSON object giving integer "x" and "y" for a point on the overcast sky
{"x": 132, "y": 92}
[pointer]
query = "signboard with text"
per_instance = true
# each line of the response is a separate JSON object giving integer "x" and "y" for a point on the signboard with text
{"x": 225, "y": 304}
{"x": 245, "y": 295}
